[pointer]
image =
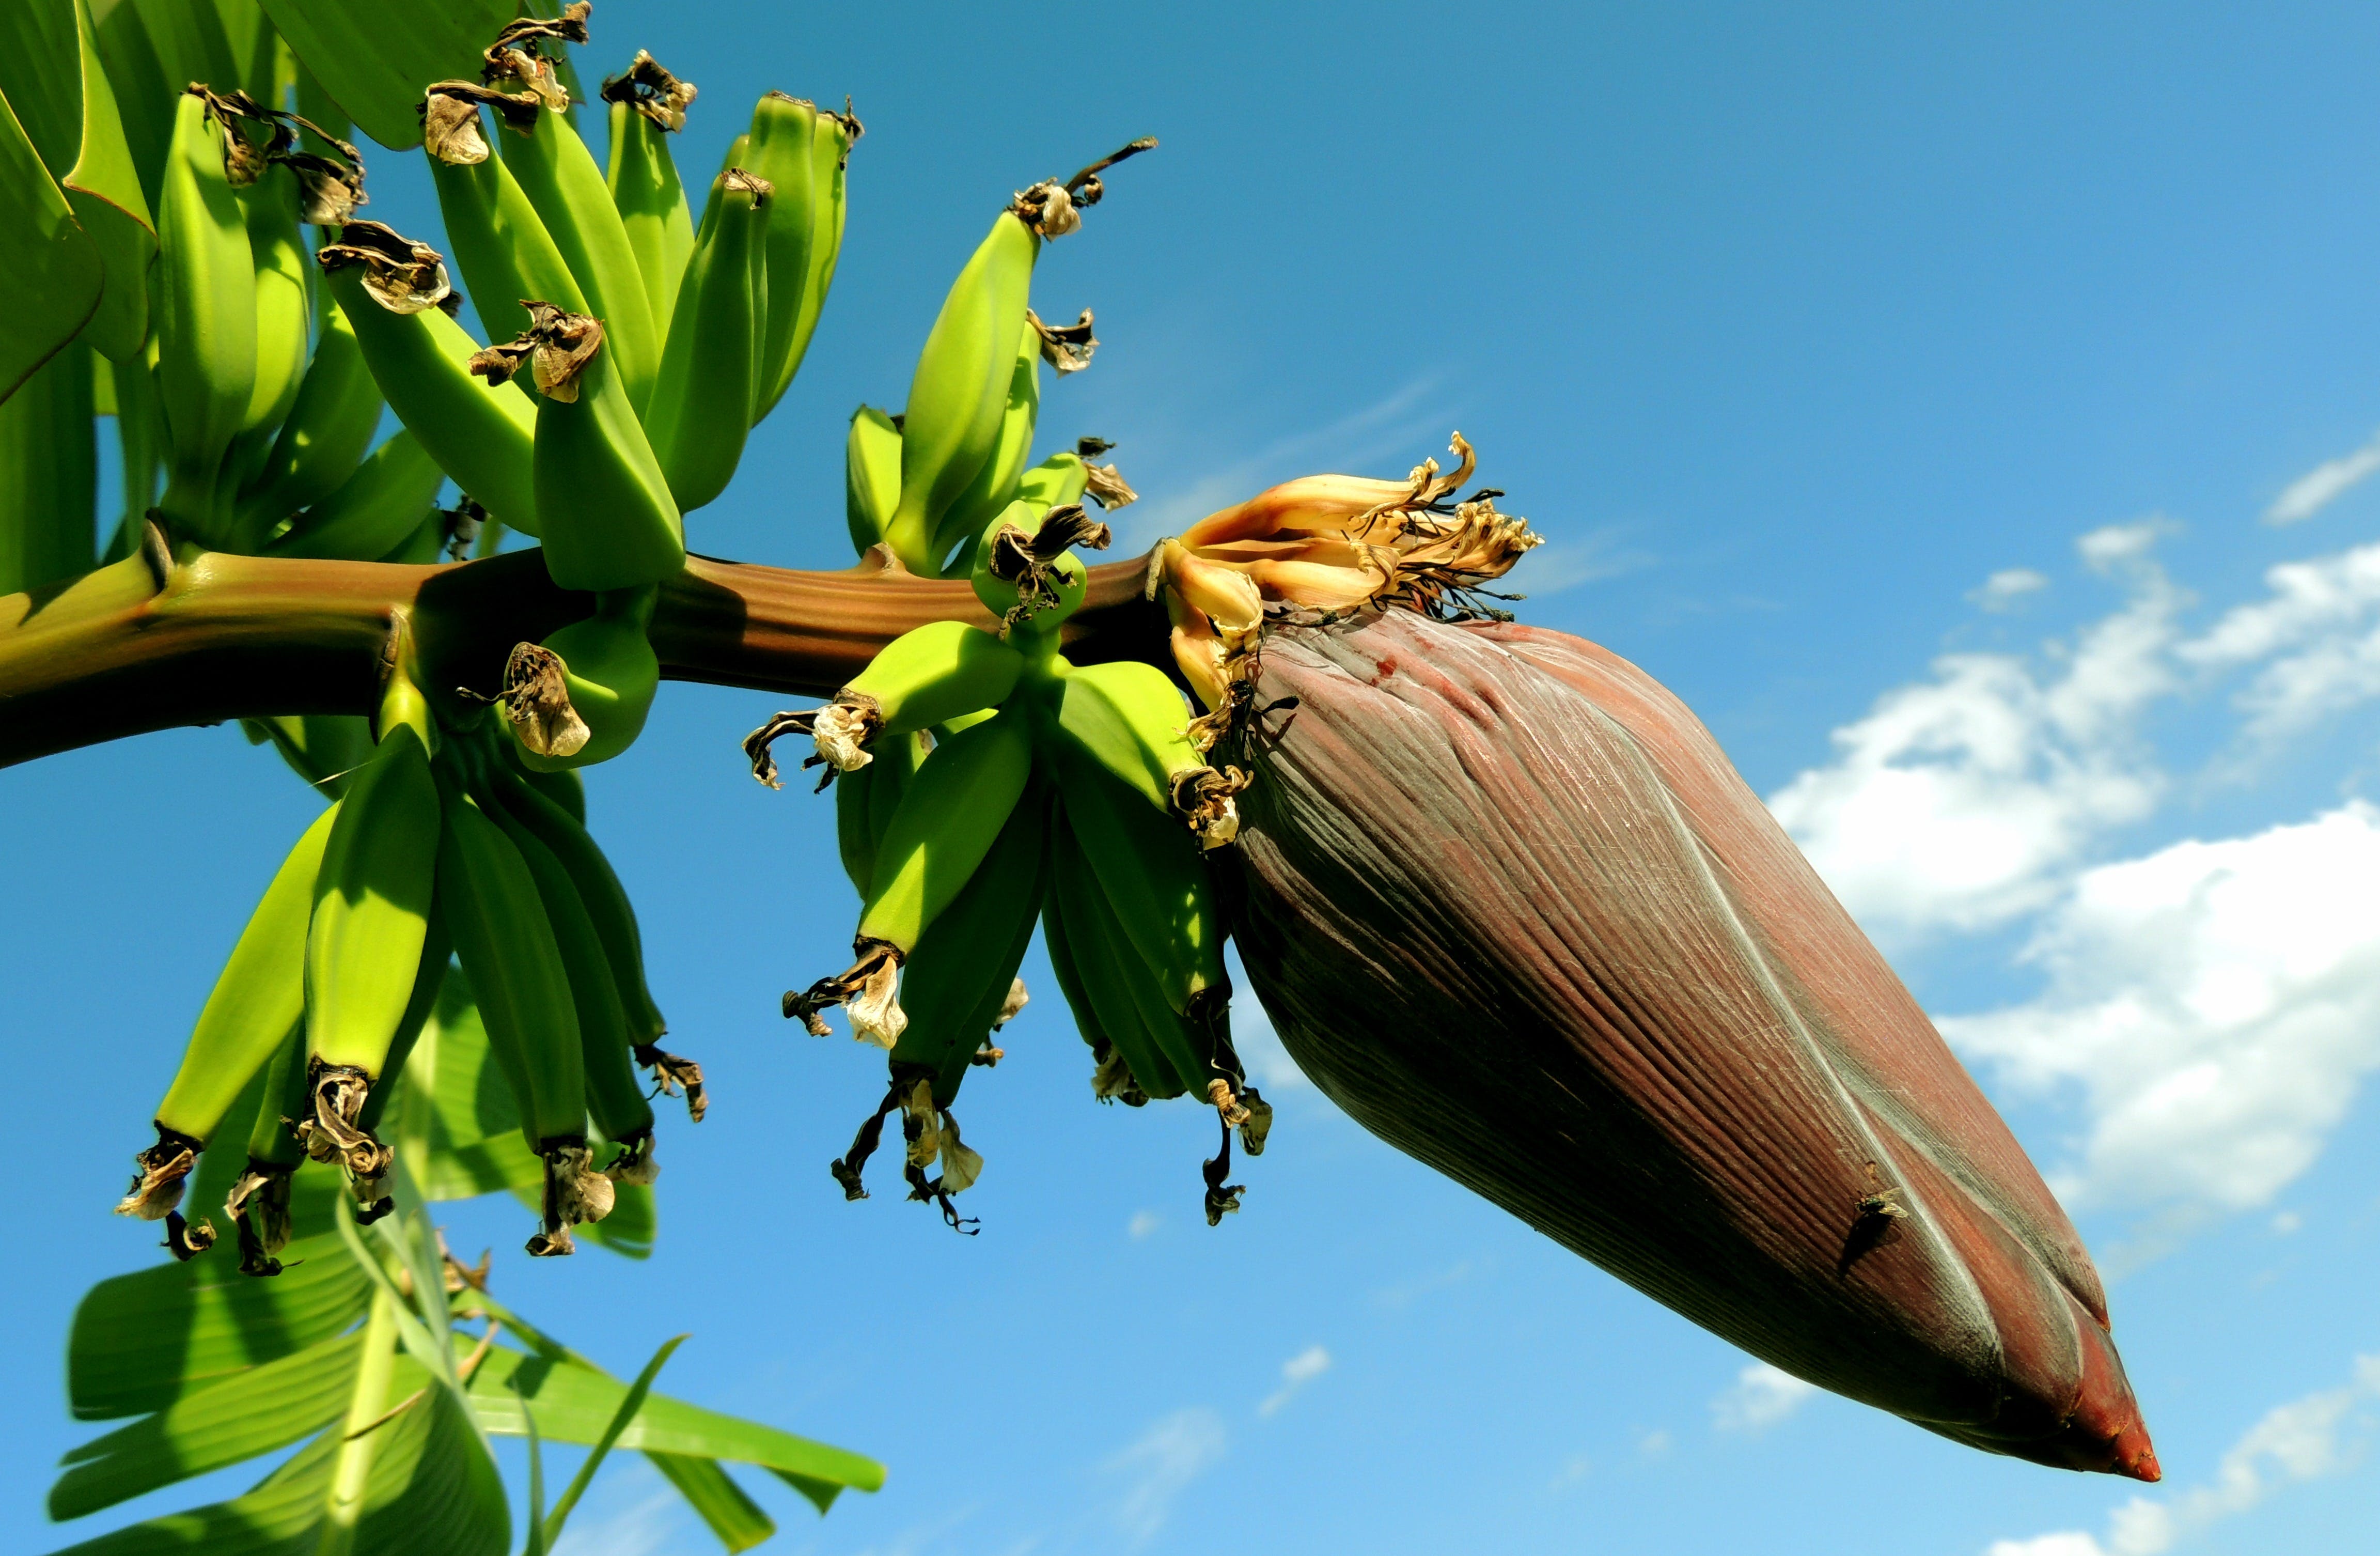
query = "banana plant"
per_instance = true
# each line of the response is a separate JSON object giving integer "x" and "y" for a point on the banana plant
{"x": 393, "y": 1396}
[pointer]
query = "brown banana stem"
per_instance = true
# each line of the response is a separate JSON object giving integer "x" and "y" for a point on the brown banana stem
{"x": 118, "y": 652}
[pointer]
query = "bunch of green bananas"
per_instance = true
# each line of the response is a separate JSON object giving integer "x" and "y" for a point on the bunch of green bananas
{"x": 652, "y": 343}
{"x": 986, "y": 783}
{"x": 927, "y": 483}
{"x": 441, "y": 845}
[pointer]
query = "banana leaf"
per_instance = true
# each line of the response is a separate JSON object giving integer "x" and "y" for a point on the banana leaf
{"x": 49, "y": 475}
{"x": 53, "y": 266}
{"x": 374, "y": 60}
{"x": 431, "y": 1486}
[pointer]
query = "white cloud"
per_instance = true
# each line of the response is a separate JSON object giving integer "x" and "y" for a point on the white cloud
{"x": 2318, "y": 636}
{"x": 1158, "y": 1467}
{"x": 2214, "y": 1002}
{"x": 2005, "y": 588}
{"x": 1143, "y": 1222}
{"x": 2301, "y": 1440}
{"x": 1295, "y": 1373}
{"x": 1961, "y": 802}
{"x": 2072, "y": 1543}
{"x": 2322, "y": 485}
{"x": 1761, "y": 1396}
{"x": 631, "y": 1513}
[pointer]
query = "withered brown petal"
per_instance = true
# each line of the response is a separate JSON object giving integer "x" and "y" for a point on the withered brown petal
{"x": 1543, "y": 939}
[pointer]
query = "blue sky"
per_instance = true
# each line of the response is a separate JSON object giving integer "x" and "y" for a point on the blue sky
{"x": 1971, "y": 415}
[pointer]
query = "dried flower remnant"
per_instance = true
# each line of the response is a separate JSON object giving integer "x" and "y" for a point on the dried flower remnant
{"x": 536, "y": 699}
{"x": 401, "y": 275}
{"x": 1029, "y": 562}
{"x": 557, "y": 346}
{"x": 1541, "y": 937}
{"x": 575, "y": 1194}
{"x": 1206, "y": 800}
{"x": 259, "y": 1207}
{"x": 450, "y": 119}
{"x": 158, "y": 1175}
{"x": 1053, "y": 209}
{"x": 649, "y": 90}
{"x": 671, "y": 1074}
{"x": 1105, "y": 485}
{"x": 332, "y": 1132}
{"x": 868, "y": 991}
{"x": 1066, "y": 347}
{"x": 518, "y": 54}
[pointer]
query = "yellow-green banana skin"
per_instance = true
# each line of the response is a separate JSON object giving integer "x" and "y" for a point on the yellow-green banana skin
{"x": 937, "y": 671}
{"x": 372, "y": 906}
{"x": 995, "y": 485}
{"x": 603, "y": 1035}
{"x": 283, "y": 314}
{"x": 604, "y": 510}
{"x": 871, "y": 476}
{"x": 259, "y": 996}
{"x": 701, "y": 403}
{"x": 947, "y": 821}
{"x": 376, "y": 510}
{"x": 599, "y": 890}
{"x": 954, "y": 984}
{"x": 206, "y": 312}
{"x": 1127, "y": 717}
{"x": 865, "y": 799}
{"x": 831, "y": 139}
{"x": 960, "y": 390}
{"x": 567, "y": 190}
{"x": 1103, "y": 961}
{"x": 482, "y": 434}
{"x": 328, "y": 432}
{"x": 651, "y": 201}
{"x": 501, "y": 244}
{"x": 778, "y": 148}
{"x": 489, "y": 904}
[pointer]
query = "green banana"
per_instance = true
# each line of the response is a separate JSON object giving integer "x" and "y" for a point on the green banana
{"x": 277, "y": 249}
{"x": 1026, "y": 572}
{"x": 604, "y": 509}
{"x": 502, "y": 245}
{"x": 958, "y": 983}
{"x": 581, "y": 696}
{"x": 871, "y": 476}
{"x": 947, "y": 820}
{"x": 363, "y": 947}
{"x": 926, "y": 676}
{"x": 701, "y": 402}
{"x": 565, "y": 788}
{"x": 1127, "y": 717}
{"x": 430, "y": 975}
{"x": 645, "y": 191}
{"x": 489, "y": 899}
{"x": 1112, "y": 1078}
{"x": 329, "y": 427}
{"x": 959, "y": 394}
{"x": 617, "y": 1103}
{"x": 832, "y": 136}
{"x": 427, "y": 544}
{"x": 567, "y": 190}
{"x": 1106, "y": 968}
{"x": 481, "y": 437}
{"x": 995, "y": 485}
{"x": 205, "y": 311}
{"x": 864, "y": 800}
{"x": 373, "y": 512}
{"x": 1150, "y": 867}
{"x": 257, "y": 999}
{"x": 1054, "y": 482}
{"x": 804, "y": 228}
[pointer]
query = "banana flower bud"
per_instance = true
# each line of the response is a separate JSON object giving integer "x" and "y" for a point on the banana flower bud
{"x": 1508, "y": 905}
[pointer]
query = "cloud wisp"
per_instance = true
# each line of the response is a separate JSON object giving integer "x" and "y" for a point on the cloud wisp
{"x": 2305, "y": 1440}
{"x": 1760, "y": 1397}
{"x": 1161, "y": 1465}
{"x": 2324, "y": 485}
{"x": 1295, "y": 1373}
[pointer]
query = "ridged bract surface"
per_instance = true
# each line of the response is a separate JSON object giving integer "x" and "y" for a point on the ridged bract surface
{"x": 1509, "y": 906}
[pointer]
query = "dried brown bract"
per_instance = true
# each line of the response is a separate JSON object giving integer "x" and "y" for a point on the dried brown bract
{"x": 158, "y": 1174}
{"x": 450, "y": 118}
{"x": 1105, "y": 485}
{"x": 1066, "y": 347}
{"x": 402, "y": 276}
{"x": 869, "y": 990}
{"x": 1053, "y": 209}
{"x": 537, "y": 699}
{"x": 671, "y": 1074}
{"x": 518, "y": 53}
{"x": 649, "y": 90}
{"x": 1207, "y": 802}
